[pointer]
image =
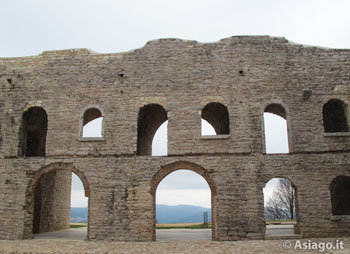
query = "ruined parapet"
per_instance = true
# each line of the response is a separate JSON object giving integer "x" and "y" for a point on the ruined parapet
{"x": 230, "y": 83}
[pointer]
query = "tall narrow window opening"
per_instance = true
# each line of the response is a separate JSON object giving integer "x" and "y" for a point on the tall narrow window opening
{"x": 340, "y": 195}
{"x": 334, "y": 116}
{"x": 276, "y": 138}
{"x": 33, "y": 131}
{"x": 150, "y": 118}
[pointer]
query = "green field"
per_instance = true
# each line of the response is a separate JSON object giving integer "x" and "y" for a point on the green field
{"x": 78, "y": 225}
{"x": 183, "y": 226}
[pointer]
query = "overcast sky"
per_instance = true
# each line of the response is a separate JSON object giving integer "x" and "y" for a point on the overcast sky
{"x": 32, "y": 26}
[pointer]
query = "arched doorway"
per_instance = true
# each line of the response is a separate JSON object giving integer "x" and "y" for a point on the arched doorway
{"x": 281, "y": 209}
{"x": 48, "y": 199}
{"x": 162, "y": 173}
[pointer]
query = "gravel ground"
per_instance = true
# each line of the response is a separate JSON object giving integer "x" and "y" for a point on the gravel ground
{"x": 256, "y": 246}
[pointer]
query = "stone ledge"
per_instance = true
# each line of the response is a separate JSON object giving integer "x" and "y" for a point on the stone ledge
{"x": 282, "y": 237}
{"x": 336, "y": 134}
{"x": 339, "y": 217}
{"x": 91, "y": 139}
{"x": 224, "y": 136}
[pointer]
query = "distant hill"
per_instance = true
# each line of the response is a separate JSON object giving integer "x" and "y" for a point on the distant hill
{"x": 78, "y": 214}
{"x": 164, "y": 214}
{"x": 181, "y": 213}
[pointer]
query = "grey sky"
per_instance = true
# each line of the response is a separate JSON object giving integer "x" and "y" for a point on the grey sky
{"x": 32, "y": 26}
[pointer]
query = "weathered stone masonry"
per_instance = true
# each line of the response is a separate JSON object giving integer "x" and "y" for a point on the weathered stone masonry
{"x": 175, "y": 80}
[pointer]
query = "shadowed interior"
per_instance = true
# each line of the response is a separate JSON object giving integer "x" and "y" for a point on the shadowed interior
{"x": 340, "y": 195}
{"x": 34, "y": 129}
{"x": 276, "y": 109}
{"x": 150, "y": 118}
{"x": 217, "y": 115}
{"x": 90, "y": 115}
{"x": 334, "y": 119}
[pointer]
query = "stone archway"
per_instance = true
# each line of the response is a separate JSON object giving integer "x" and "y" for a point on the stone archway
{"x": 288, "y": 193}
{"x": 166, "y": 170}
{"x": 60, "y": 171}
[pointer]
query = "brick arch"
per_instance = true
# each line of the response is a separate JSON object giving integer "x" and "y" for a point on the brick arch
{"x": 270, "y": 177}
{"x": 166, "y": 170}
{"x": 30, "y": 193}
{"x": 169, "y": 168}
{"x": 58, "y": 166}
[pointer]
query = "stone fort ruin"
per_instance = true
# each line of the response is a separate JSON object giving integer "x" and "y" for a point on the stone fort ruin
{"x": 47, "y": 99}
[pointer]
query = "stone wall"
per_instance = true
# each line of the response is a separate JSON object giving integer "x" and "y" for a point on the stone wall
{"x": 52, "y": 202}
{"x": 245, "y": 74}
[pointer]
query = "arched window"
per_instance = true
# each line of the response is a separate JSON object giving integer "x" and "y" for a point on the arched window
{"x": 92, "y": 123}
{"x": 334, "y": 116}
{"x": 33, "y": 132}
{"x": 340, "y": 195}
{"x": 216, "y": 114}
{"x": 150, "y": 118}
{"x": 276, "y": 138}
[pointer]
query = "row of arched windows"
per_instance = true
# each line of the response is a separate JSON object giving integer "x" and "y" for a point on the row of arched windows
{"x": 152, "y": 116}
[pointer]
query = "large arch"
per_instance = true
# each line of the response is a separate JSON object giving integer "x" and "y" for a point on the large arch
{"x": 31, "y": 189}
{"x": 166, "y": 170}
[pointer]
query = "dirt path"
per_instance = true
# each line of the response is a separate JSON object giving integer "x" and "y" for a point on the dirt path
{"x": 260, "y": 246}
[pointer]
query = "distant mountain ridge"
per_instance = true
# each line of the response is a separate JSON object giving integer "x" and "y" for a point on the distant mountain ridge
{"x": 164, "y": 214}
{"x": 78, "y": 214}
{"x": 181, "y": 214}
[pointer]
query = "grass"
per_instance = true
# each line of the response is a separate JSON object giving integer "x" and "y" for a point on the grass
{"x": 78, "y": 225}
{"x": 183, "y": 226}
{"x": 280, "y": 221}
{"x": 161, "y": 226}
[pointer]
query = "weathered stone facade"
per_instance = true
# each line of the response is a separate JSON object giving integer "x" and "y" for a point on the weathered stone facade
{"x": 244, "y": 74}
